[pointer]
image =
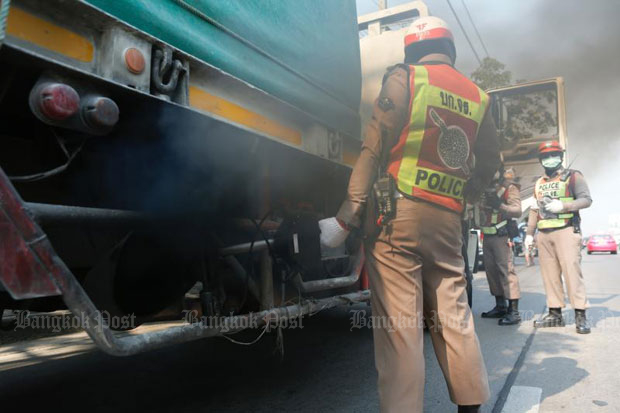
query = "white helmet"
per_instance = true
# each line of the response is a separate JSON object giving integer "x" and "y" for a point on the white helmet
{"x": 429, "y": 29}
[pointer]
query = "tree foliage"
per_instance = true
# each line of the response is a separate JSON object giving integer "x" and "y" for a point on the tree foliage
{"x": 519, "y": 117}
{"x": 491, "y": 73}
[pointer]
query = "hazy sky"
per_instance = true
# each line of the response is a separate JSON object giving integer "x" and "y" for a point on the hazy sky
{"x": 575, "y": 39}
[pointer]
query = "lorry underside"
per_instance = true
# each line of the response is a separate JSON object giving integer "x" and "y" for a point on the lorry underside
{"x": 141, "y": 199}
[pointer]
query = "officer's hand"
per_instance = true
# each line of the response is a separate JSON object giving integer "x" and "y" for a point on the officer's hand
{"x": 529, "y": 240}
{"x": 472, "y": 191}
{"x": 493, "y": 201}
{"x": 333, "y": 233}
{"x": 555, "y": 207}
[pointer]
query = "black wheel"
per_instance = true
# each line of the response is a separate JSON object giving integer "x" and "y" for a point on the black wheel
{"x": 614, "y": 252}
{"x": 589, "y": 252}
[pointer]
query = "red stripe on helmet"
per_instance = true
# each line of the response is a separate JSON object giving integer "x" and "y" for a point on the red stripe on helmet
{"x": 552, "y": 146}
{"x": 437, "y": 33}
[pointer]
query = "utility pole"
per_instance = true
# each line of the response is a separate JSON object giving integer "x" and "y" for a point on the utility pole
{"x": 383, "y": 4}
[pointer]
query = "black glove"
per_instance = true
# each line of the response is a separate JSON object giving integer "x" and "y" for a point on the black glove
{"x": 493, "y": 200}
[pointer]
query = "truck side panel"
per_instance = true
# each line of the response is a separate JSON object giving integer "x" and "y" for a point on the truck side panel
{"x": 305, "y": 52}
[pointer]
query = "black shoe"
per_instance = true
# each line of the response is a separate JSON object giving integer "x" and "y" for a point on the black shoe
{"x": 498, "y": 311}
{"x": 469, "y": 409}
{"x": 553, "y": 319}
{"x": 581, "y": 323}
{"x": 512, "y": 316}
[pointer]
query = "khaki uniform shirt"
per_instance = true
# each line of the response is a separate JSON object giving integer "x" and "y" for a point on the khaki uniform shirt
{"x": 512, "y": 207}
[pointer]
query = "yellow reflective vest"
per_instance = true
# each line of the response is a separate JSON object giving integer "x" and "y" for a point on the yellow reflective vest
{"x": 548, "y": 189}
{"x": 433, "y": 157}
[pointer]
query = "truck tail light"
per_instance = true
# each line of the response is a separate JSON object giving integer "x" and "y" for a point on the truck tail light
{"x": 99, "y": 113}
{"x": 54, "y": 102}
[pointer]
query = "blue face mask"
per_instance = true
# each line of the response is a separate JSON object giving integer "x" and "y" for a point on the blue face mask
{"x": 551, "y": 162}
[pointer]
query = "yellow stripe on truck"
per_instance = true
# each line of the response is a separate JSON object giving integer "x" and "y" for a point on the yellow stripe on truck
{"x": 206, "y": 102}
{"x": 349, "y": 157}
{"x": 28, "y": 27}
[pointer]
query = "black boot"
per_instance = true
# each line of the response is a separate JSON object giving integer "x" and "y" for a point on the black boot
{"x": 553, "y": 319}
{"x": 582, "y": 325}
{"x": 512, "y": 315}
{"x": 498, "y": 311}
{"x": 469, "y": 409}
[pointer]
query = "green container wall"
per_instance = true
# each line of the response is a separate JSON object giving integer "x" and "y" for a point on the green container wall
{"x": 317, "y": 41}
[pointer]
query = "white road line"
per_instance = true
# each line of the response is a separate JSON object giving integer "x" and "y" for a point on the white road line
{"x": 523, "y": 399}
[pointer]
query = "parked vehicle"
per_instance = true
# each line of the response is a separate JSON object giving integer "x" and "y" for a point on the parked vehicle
{"x": 602, "y": 243}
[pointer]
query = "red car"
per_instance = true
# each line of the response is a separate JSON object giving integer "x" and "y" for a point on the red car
{"x": 602, "y": 243}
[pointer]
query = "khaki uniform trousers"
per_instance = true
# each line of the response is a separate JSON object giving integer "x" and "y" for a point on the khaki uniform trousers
{"x": 559, "y": 252}
{"x": 498, "y": 265}
{"x": 416, "y": 269}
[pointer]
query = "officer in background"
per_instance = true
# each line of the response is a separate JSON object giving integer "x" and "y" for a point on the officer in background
{"x": 560, "y": 194}
{"x": 428, "y": 123}
{"x": 500, "y": 204}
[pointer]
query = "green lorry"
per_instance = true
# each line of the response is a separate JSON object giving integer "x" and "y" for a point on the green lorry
{"x": 167, "y": 157}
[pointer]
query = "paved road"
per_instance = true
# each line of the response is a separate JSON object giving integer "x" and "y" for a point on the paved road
{"x": 327, "y": 366}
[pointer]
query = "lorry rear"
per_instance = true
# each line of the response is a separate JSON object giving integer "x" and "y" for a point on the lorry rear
{"x": 173, "y": 157}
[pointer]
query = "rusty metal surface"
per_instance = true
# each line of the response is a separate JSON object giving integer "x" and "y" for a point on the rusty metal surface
{"x": 22, "y": 270}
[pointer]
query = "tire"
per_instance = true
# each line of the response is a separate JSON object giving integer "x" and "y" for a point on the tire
{"x": 614, "y": 252}
{"x": 589, "y": 252}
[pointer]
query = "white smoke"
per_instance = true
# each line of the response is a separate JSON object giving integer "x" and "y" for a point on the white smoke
{"x": 542, "y": 39}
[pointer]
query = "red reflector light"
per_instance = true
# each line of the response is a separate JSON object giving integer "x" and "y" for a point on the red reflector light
{"x": 55, "y": 101}
{"x": 134, "y": 59}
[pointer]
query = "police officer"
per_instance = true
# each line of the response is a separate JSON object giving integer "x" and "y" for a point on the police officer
{"x": 428, "y": 123}
{"x": 560, "y": 194}
{"x": 501, "y": 202}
